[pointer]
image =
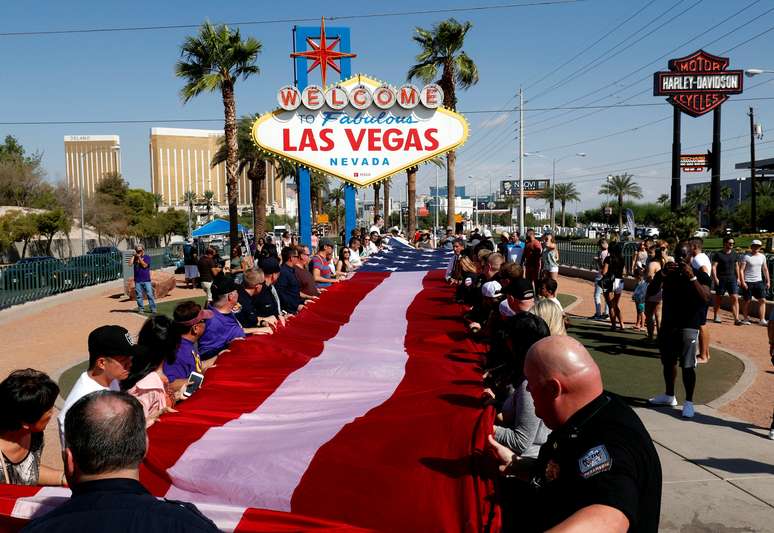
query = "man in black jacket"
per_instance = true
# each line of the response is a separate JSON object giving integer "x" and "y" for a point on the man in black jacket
{"x": 287, "y": 286}
{"x": 107, "y": 494}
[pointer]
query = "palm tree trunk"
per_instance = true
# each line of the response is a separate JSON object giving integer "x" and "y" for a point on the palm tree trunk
{"x": 620, "y": 214}
{"x": 338, "y": 203}
{"x": 377, "y": 186}
{"x": 563, "y": 222}
{"x": 451, "y": 174}
{"x": 257, "y": 175}
{"x": 411, "y": 174}
{"x": 232, "y": 162}
{"x": 387, "y": 202}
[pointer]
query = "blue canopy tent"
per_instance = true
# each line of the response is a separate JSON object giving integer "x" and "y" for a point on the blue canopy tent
{"x": 216, "y": 227}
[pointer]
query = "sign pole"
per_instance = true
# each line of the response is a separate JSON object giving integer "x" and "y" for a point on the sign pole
{"x": 715, "y": 181}
{"x": 676, "y": 149}
{"x": 521, "y": 162}
{"x": 753, "y": 193}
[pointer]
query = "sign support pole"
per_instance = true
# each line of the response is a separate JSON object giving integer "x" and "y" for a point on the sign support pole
{"x": 521, "y": 163}
{"x": 300, "y": 74}
{"x": 715, "y": 181}
{"x": 676, "y": 149}
{"x": 753, "y": 193}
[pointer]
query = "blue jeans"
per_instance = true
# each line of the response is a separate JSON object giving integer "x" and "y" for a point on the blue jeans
{"x": 147, "y": 288}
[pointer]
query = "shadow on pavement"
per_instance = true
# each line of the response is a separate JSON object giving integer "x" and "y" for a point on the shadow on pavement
{"x": 736, "y": 466}
{"x": 700, "y": 418}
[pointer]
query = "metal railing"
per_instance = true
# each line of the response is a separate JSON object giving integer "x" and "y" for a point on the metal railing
{"x": 32, "y": 279}
{"x": 581, "y": 255}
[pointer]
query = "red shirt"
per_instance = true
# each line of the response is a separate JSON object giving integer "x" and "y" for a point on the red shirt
{"x": 533, "y": 252}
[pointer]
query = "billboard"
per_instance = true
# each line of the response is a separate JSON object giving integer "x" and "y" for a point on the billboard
{"x": 532, "y": 187}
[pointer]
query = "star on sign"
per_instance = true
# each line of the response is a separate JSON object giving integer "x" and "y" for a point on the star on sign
{"x": 323, "y": 54}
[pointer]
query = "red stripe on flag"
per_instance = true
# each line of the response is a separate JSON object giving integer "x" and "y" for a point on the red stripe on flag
{"x": 11, "y": 493}
{"x": 248, "y": 374}
{"x": 262, "y": 520}
{"x": 409, "y": 464}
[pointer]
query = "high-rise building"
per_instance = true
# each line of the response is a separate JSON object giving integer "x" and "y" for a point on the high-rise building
{"x": 88, "y": 158}
{"x": 180, "y": 162}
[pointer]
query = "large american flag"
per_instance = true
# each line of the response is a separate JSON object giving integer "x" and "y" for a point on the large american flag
{"x": 362, "y": 412}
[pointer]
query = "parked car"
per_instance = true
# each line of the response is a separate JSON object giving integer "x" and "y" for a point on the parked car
{"x": 702, "y": 233}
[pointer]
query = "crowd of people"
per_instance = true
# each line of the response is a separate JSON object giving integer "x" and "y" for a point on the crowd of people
{"x": 576, "y": 456}
{"x": 574, "y": 453}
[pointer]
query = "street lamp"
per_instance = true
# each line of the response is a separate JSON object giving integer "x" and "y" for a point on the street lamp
{"x": 750, "y": 72}
{"x": 553, "y": 187}
{"x": 115, "y": 148}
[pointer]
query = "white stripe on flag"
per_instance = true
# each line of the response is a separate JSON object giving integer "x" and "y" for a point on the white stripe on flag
{"x": 43, "y": 501}
{"x": 258, "y": 459}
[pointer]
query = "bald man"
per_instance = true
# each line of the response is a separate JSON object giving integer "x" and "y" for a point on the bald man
{"x": 598, "y": 471}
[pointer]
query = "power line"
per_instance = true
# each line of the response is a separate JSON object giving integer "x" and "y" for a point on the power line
{"x": 607, "y": 56}
{"x": 289, "y": 20}
{"x": 648, "y": 76}
{"x": 592, "y": 45}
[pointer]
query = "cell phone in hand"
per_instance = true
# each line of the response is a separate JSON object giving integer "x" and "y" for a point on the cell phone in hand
{"x": 194, "y": 382}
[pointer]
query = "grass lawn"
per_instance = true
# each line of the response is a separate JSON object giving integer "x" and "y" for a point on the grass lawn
{"x": 166, "y": 308}
{"x": 716, "y": 243}
{"x": 631, "y": 366}
{"x": 565, "y": 299}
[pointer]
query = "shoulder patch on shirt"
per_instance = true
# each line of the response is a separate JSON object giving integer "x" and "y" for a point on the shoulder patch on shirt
{"x": 594, "y": 461}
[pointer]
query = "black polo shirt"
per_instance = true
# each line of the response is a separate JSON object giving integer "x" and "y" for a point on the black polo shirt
{"x": 601, "y": 455}
{"x": 119, "y": 506}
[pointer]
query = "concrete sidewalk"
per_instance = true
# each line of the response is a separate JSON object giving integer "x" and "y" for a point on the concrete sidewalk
{"x": 718, "y": 471}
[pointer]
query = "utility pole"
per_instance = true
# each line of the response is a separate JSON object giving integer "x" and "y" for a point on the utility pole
{"x": 521, "y": 161}
{"x": 676, "y": 149}
{"x": 714, "y": 213}
{"x": 753, "y": 193}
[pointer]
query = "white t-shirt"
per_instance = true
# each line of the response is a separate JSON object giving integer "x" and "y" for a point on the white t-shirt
{"x": 701, "y": 260}
{"x": 376, "y": 229}
{"x": 85, "y": 385}
{"x": 602, "y": 255}
{"x": 557, "y": 302}
{"x": 753, "y": 267}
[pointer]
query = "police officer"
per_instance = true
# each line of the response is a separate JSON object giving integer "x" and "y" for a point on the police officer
{"x": 105, "y": 444}
{"x": 598, "y": 470}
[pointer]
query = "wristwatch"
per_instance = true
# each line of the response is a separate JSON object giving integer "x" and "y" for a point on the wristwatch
{"x": 692, "y": 279}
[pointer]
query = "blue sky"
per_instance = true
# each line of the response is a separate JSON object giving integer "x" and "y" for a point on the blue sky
{"x": 129, "y": 76}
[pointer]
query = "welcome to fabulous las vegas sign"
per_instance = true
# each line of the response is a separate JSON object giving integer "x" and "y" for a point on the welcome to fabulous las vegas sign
{"x": 360, "y": 130}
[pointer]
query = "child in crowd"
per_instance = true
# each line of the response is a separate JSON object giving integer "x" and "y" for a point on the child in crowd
{"x": 640, "y": 292}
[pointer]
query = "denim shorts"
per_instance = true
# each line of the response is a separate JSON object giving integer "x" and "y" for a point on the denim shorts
{"x": 755, "y": 289}
{"x": 728, "y": 285}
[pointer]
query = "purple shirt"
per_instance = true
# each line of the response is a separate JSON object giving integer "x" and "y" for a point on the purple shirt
{"x": 186, "y": 361}
{"x": 221, "y": 329}
{"x": 142, "y": 274}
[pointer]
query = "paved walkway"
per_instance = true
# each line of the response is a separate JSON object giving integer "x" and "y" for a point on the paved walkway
{"x": 718, "y": 473}
{"x": 718, "y": 469}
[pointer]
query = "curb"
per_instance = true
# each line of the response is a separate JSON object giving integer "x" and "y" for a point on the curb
{"x": 578, "y": 301}
{"x": 743, "y": 383}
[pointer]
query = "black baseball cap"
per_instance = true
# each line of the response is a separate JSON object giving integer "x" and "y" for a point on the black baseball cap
{"x": 521, "y": 289}
{"x": 223, "y": 285}
{"x": 270, "y": 265}
{"x": 111, "y": 341}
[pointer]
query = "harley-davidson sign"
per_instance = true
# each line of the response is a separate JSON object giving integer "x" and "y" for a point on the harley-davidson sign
{"x": 698, "y": 83}
{"x": 360, "y": 130}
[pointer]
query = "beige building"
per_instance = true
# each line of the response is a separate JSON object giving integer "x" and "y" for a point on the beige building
{"x": 180, "y": 162}
{"x": 88, "y": 158}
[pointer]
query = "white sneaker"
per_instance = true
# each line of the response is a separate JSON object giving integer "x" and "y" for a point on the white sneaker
{"x": 688, "y": 409}
{"x": 764, "y": 322}
{"x": 663, "y": 399}
{"x": 771, "y": 434}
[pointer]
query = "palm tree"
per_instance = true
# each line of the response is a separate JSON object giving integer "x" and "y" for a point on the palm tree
{"x": 318, "y": 185}
{"x": 208, "y": 196}
{"x": 377, "y": 186}
{"x": 157, "y": 199}
{"x": 765, "y": 188}
{"x": 386, "y": 211}
{"x": 442, "y": 50}
{"x": 698, "y": 198}
{"x": 411, "y": 194}
{"x": 189, "y": 198}
{"x": 252, "y": 160}
{"x": 566, "y": 192}
{"x": 663, "y": 199}
{"x": 621, "y": 186}
{"x": 337, "y": 195}
{"x": 214, "y": 60}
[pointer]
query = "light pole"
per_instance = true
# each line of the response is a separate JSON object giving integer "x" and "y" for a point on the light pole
{"x": 114, "y": 149}
{"x": 553, "y": 187}
{"x": 437, "y": 205}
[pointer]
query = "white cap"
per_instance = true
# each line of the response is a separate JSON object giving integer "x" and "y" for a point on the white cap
{"x": 487, "y": 234}
{"x": 491, "y": 289}
{"x": 756, "y": 242}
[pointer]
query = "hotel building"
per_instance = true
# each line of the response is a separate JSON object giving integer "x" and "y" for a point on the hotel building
{"x": 88, "y": 158}
{"x": 180, "y": 162}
